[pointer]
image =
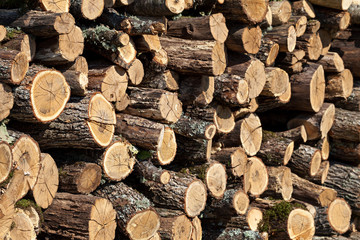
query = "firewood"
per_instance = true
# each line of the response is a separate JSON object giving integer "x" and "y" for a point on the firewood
{"x": 17, "y": 40}
{"x": 332, "y": 62}
{"x": 290, "y": 58}
{"x": 42, "y": 96}
{"x": 122, "y": 104}
{"x": 249, "y": 107}
{"x": 266, "y": 103}
{"x": 339, "y": 86}
{"x": 195, "y": 56}
{"x": 23, "y": 227}
{"x": 55, "y": 6}
{"x": 135, "y": 72}
{"x": 281, "y": 12}
{"x": 87, "y": 9}
{"x": 333, "y": 19}
{"x": 268, "y": 52}
{"x": 79, "y": 65}
{"x": 14, "y": 66}
{"x": 346, "y": 125}
{"x": 149, "y": 135}
{"x": 312, "y": 193}
{"x": 277, "y": 81}
{"x": 47, "y": 183}
{"x": 61, "y": 49}
{"x": 313, "y": 26}
{"x": 91, "y": 217}
{"x": 147, "y": 43}
{"x": 6, "y": 160}
{"x": 32, "y": 213}
{"x": 225, "y": 233}
{"x": 297, "y": 134}
{"x": 303, "y": 7}
{"x": 284, "y": 35}
{"x": 311, "y": 44}
{"x": 321, "y": 175}
{"x": 291, "y": 69}
{"x": 345, "y": 151}
{"x": 280, "y": 183}
{"x": 150, "y": 172}
{"x": 235, "y": 160}
{"x": 155, "y": 104}
{"x": 197, "y": 90}
{"x": 193, "y": 151}
{"x": 90, "y": 119}
{"x": 156, "y": 8}
{"x": 340, "y": 5}
{"x": 244, "y": 39}
{"x": 167, "y": 80}
{"x": 231, "y": 89}
{"x": 244, "y": 11}
{"x": 305, "y": 161}
{"x": 174, "y": 225}
{"x": 300, "y": 23}
{"x": 256, "y": 177}
{"x": 6, "y": 100}
{"x": 300, "y": 224}
{"x": 197, "y": 232}
{"x": 78, "y": 82}
{"x": 349, "y": 52}
{"x": 7, "y": 213}
{"x": 326, "y": 40}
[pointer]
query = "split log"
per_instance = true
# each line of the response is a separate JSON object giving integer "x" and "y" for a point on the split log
{"x": 244, "y": 39}
{"x": 321, "y": 175}
{"x": 197, "y": 90}
{"x": 340, "y": 86}
{"x": 312, "y": 193}
{"x": 19, "y": 41}
{"x": 268, "y": 52}
{"x": 55, "y": 6}
{"x": 317, "y": 125}
{"x": 275, "y": 150}
{"x": 232, "y": 90}
{"x": 312, "y": 45}
{"x": 333, "y": 20}
{"x": 87, "y": 9}
{"x": 61, "y": 49}
{"x": 210, "y": 27}
{"x": 297, "y": 134}
{"x": 340, "y": 5}
{"x": 235, "y": 160}
{"x": 345, "y": 151}
{"x": 349, "y": 52}
{"x": 136, "y": 72}
{"x": 303, "y": 7}
{"x": 156, "y": 8}
{"x": 256, "y": 177}
{"x": 277, "y": 81}
{"x": 42, "y": 97}
{"x": 174, "y": 225}
{"x": 346, "y": 125}
{"x": 345, "y": 180}
{"x": 155, "y": 104}
{"x": 200, "y": 57}
{"x": 281, "y": 12}
{"x": 6, "y": 160}
{"x": 308, "y": 89}
{"x": 149, "y": 135}
{"x": 6, "y": 100}
{"x": 305, "y": 161}
{"x": 247, "y": 133}
{"x": 150, "y": 172}
{"x": 91, "y": 217}
{"x": 192, "y": 151}
{"x": 300, "y": 23}
{"x": 244, "y": 11}
{"x": 14, "y": 65}
{"x": 313, "y": 26}
{"x": 45, "y": 24}
{"x": 47, "y": 182}
{"x": 88, "y": 123}
{"x": 285, "y": 36}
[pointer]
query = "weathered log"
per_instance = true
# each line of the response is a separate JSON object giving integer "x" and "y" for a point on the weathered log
{"x": 87, "y": 9}
{"x": 231, "y": 89}
{"x": 298, "y": 134}
{"x": 235, "y": 160}
{"x": 193, "y": 151}
{"x": 312, "y": 45}
{"x": 150, "y": 172}
{"x": 147, "y": 43}
{"x": 313, "y": 26}
{"x": 354, "y": 12}
{"x": 174, "y": 225}
{"x": 345, "y": 151}
{"x": 346, "y": 125}
{"x": 197, "y": 90}
{"x": 23, "y": 227}
{"x": 17, "y": 40}
{"x": 305, "y": 161}
{"x": 14, "y": 65}
{"x": 300, "y": 23}
{"x": 321, "y": 175}
{"x": 340, "y": 86}
{"x": 244, "y": 39}
{"x": 281, "y": 12}
{"x": 340, "y": 5}
{"x": 230, "y": 233}
{"x": 156, "y": 8}
{"x": 277, "y": 82}
{"x": 268, "y": 52}
{"x": 6, "y": 100}
{"x": 348, "y": 51}
{"x": 285, "y": 36}
{"x": 79, "y": 65}
{"x": 55, "y": 5}
{"x": 303, "y": 7}
{"x": 333, "y": 20}
{"x": 280, "y": 183}
{"x": 332, "y": 62}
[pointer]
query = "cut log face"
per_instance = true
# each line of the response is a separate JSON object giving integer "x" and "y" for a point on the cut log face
{"x": 281, "y": 12}
{"x": 224, "y": 119}
{"x": 197, "y": 229}
{"x": 216, "y": 179}
{"x": 136, "y": 72}
{"x": 2, "y": 32}
{"x": 24, "y": 228}
{"x": 332, "y": 62}
{"x": 253, "y": 218}
{"x": 280, "y": 182}
{"x": 88, "y": 9}
{"x": 118, "y": 162}
{"x": 57, "y": 6}
{"x": 244, "y": 39}
{"x": 195, "y": 198}
{"x": 22, "y": 42}
{"x": 256, "y": 177}
{"x": 340, "y": 5}
{"x": 6, "y": 100}
{"x": 339, "y": 85}
{"x": 234, "y": 158}
{"x": 277, "y": 81}
{"x": 6, "y": 161}
{"x": 251, "y": 134}
{"x": 176, "y": 228}
{"x": 339, "y": 215}
{"x": 240, "y": 202}
{"x": 300, "y": 224}
{"x": 14, "y": 66}
{"x": 7, "y": 212}
{"x": 303, "y": 7}
{"x": 285, "y": 36}
{"x": 102, "y": 224}
{"x": 47, "y": 183}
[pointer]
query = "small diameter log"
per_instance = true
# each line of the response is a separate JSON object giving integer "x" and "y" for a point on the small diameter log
{"x": 300, "y": 224}
{"x": 7, "y": 212}
{"x": 300, "y": 23}
{"x": 149, "y": 135}
{"x": 136, "y": 72}
{"x": 88, "y": 9}
{"x": 192, "y": 151}
{"x": 312, "y": 45}
{"x": 346, "y": 125}
{"x": 275, "y": 150}
{"x": 247, "y": 133}
{"x": 61, "y": 49}
{"x": 268, "y": 52}
{"x": 155, "y": 104}
{"x": 195, "y": 56}
{"x": 281, "y": 12}
{"x": 305, "y": 161}
{"x": 266, "y": 103}
{"x": 194, "y": 128}
{"x": 79, "y": 65}
{"x": 345, "y": 180}
{"x": 17, "y": 40}
{"x": 308, "y": 89}
{"x": 303, "y": 8}
{"x": 167, "y": 80}
{"x": 277, "y": 82}
{"x": 90, "y": 217}
{"x": 78, "y": 82}
{"x": 291, "y": 69}
{"x": 23, "y": 227}
{"x": 339, "y": 85}
{"x": 349, "y": 52}
{"x": 6, "y": 161}
{"x": 79, "y": 177}
{"x": 177, "y": 227}
{"x": 6, "y": 100}
{"x": 298, "y": 134}
{"x": 245, "y": 11}
{"x": 280, "y": 183}
{"x": 321, "y": 175}
{"x": 148, "y": 171}
{"x": 197, "y": 90}
{"x": 312, "y": 193}
{"x": 284, "y": 35}
{"x": 47, "y": 183}
{"x": 333, "y": 20}
{"x": 244, "y": 39}
{"x": 138, "y": 25}
{"x": 232, "y": 90}
{"x": 14, "y": 65}
{"x": 55, "y": 6}
{"x": 313, "y": 26}
{"x": 345, "y": 151}
{"x": 250, "y": 107}
{"x": 256, "y": 177}
{"x": 42, "y": 97}
{"x": 110, "y": 80}
{"x": 354, "y": 12}
{"x": 340, "y": 5}
{"x": 88, "y": 123}
{"x": 332, "y": 62}
{"x": 45, "y": 24}
{"x": 118, "y": 161}
{"x": 156, "y": 8}
{"x": 235, "y": 160}
{"x": 183, "y": 192}
{"x": 147, "y": 43}
{"x": 210, "y": 27}
{"x": 317, "y": 125}
{"x": 134, "y": 214}
{"x": 290, "y": 58}
{"x": 323, "y": 145}
{"x": 333, "y": 219}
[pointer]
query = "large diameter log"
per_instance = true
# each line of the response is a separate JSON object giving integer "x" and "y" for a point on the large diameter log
{"x": 85, "y": 123}
{"x": 155, "y": 104}
{"x": 44, "y": 97}
{"x": 210, "y": 27}
{"x": 14, "y": 65}
{"x": 346, "y": 125}
{"x": 312, "y": 45}
{"x": 308, "y": 89}
{"x": 244, "y": 39}
{"x": 280, "y": 183}
{"x": 90, "y": 218}
{"x": 135, "y": 217}
{"x": 339, "y": 85}
{"x": 285, "y": 36}
{"x": 235, "y": 160}
{"x": 337, "y": 4}
{"x": 61, "y": 49}
{"x": 232, "y": 90}
{"x": 17, "y": 40}
{"x": 312, "y": 193}
{"x": 345, "y": 151}
{"x": 88, "y": 9}
{"x": 300, "y": 224}
{"x": 348, "y": 51}
{"x": 6, "y": 100}
{"x": 316, "y": 125}
{"x": 281, "y": 12}
{"x": 345, "y": 180}
{"x": 6, "y": 160}
{"x": 305, "y": 161}
{"x": 156, "y": 8}
{"x": 245, "y": 11}
{"x": 149, "y": 135}
{"x": 45, "y": 24}
{"x": 198, "y": 57}
{"x": 55, "y": 6}
{"x": 256, "y": 177}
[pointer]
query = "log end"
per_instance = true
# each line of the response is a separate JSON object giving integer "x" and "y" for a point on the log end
{"x": 255, "y": 10}
{"x": 89, "y": 178}
{"x": 64, "y": 23}
{"x": 257, "y": 177}
{"x": 71, "y": 44}
{"x": 327, "y": 119}
{"x": 315, "y": 163}
{"x": 6, "y": 161}
{"x": 167, "y": 146}
{"x": 291, "y": 39}
{"x": 219, "y": 58}
{"x": 300, "y": 224}
{"x": 327, "y": 196}
{"x": 241, "y": 202}
{"x": 273, "y": 53}
{"x": 165, "y": 177}
{"x": 136, "y": 72}
{"x": 287, "y": 186}
{"x": 60, "y": 6}
{"x": 325, "y": 166}
{"x": 251, "y": 39}
{"x": 195, "y": 198}
{"x": 218, "y": 27}
{"x": 224, "y": 119}
{"x": 92, "y": 9}
{"x": 317, "y": 89}
{"x": 256, "y": 77}
{"x": 19, "y": 67}
{"x": 143, "y": 225}
{"x": 2, "y": 32}
{"x": 288, "y": 152}
{"x": 175, "y": 7}
{"x": 114, "y": 84}
{"x": 238, "y": 162}
{"x": 216, "y": 180}
{"x": 339, "y": 215}
{"x": 170, "y": 107}
{"x": 102, "y": 223}
{"x": 254, "y": 217}
{"x": 210, "y": 131}
{"x": 251, "y": 134}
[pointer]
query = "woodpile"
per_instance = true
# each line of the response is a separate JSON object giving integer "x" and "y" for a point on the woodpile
{"x": 179, "y": 119}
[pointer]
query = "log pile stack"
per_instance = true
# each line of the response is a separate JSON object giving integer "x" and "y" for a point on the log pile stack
{"x": 179, "y": 119}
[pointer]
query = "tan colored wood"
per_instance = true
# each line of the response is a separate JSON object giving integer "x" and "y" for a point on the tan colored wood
{"x": 300, "y": 224}
{"x": 197, "y": 90}
{"x": 7, "y": 212}
{"x": 303, "y": 7}
{"x": 321, "y": 175}
{"x": 281, "y": 12}
{"x": 23, "y": 227}
{"x": 14, "y": 66}
{"x": 55, "y": 6}
{"x": 340, "y": 5}
{"x": 256, "y": 177}
{"x": 277, "y": 81}
{"x": 2, "y": 32}
{"x": 6, "y": 161}
{"x": 312, "y": 45}
{"x": 6, "y": 100}
{"x": 79, "y": 65}
{"x": 300, "y": 23}
{"x": 339, "y": 85}
{"x": 231, "y": 89}
{"x": 313, "y": 26}
{"x": 197, "y": 229}
{"x": 122, "y": 104}
{"x": 175, "y": 227}
{"x": 135, "y": 72}
{"x": 78, "y": 82}
{"x": 305, "y": 161}
{"x": 235, "y": 160}
{"x": 284, "y": 35}
{"x": 20, "y": 41}
{"x": 280, "y": 182}
{"x": 244, "y": 39}
{"x": 216, "y": 179}
{"x": 88, "y": 9}
{"x": 268, "y": 52}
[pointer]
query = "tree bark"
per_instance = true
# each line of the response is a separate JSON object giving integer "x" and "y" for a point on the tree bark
{"x": 345, "y": 151}
{"x": 285, "y": 36}
{"x": 197, "y": 90}
{"x": 268, "y": 52}
{"x": 312, "y": 45}
{"x": 340, "y": 86}
{"x": 19, "y": 41}
{"x": 303, "y": 7}
{"x": 348, "y": 51}
{"x": 235, "y": 160}
{"x": 156, "y": 8}
{"x": 192, "y": 150}
{"x": 150, "y": 172}
{"x": 346, "y": 125}
{"x": 232, "y": 90}
{"x": 14, "y": 65}
{"x": 244, "y": 39}
{"x": 281, "y": 12}
{"x": 305, "y": 161}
